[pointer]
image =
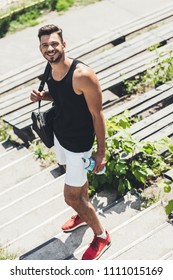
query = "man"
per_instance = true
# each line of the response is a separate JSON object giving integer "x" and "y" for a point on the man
{"x": 76, "y": 93}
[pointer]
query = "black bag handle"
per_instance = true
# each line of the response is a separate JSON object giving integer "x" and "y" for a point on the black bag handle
{"x": 43, "y": 81}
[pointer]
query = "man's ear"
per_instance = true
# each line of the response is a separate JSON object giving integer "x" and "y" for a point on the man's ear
{"x": 64, "y": 44}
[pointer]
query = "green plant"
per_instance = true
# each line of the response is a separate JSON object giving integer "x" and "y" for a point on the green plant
{"x": 4, "y": 25}
{"x": 161, "y": 73}
{"x": 167, "y": 186}
{"x": 130, "y": 163}
{"x": 24, "y": 20}
{"x": 4, "y": 130}
{"x": 24, "y": 11}
{"x": 154, "y": 47}
{"x": 118, "y": 123}
{"x": 27, "y": 11}
{"x": 52, "y": 4}
{"x": 4, "y": 255}
{"x": 45, "y": 155}
{"x": 63, "y": 5}
{"x": 148, "y": 200}
{"x": 169, "y": 207}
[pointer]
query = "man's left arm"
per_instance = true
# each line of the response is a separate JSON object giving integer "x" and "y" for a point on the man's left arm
{"x": 93, "y": 96}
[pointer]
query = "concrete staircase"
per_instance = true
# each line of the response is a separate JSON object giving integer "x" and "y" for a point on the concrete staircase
{"x": 32, "y": 211}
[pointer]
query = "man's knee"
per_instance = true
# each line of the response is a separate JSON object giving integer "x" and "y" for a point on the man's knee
{"x": 72, "y": 195}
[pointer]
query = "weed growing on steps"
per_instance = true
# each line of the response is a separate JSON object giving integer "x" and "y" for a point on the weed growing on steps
{"x": 4, "y": 255}
{"x": 7, "y": 133}
{"x": 5, "y": 130}
{"x": 166, "y": 185}
{"x": 46, "y": 156}
{"x": 161, "y": 73}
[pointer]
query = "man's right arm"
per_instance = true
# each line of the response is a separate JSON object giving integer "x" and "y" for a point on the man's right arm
{"x": 43, "y": 95}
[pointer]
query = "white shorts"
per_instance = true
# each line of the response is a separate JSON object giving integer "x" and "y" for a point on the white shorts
{"x": 76, "y": 175}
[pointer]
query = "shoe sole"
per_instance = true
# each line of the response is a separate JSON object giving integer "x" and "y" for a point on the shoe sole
{"x": 72, "y": 229}
{"x": 103, "y": 251}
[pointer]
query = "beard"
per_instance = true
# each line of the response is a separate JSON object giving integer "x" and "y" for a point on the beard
{"x": 56, "y": 58}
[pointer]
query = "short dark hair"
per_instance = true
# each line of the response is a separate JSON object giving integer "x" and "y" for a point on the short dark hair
{"x": 49, "y": 29}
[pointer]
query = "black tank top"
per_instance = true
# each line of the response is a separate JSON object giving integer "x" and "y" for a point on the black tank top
{"x": 73, "y": 124}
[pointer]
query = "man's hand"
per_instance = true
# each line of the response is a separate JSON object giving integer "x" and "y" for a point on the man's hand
{"x": 37, "y": 95}
{"x": 100, "y": 160}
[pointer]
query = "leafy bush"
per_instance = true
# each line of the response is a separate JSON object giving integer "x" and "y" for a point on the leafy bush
{"x": 52, "y": 4}
{"x": 25, "y": 20}
{"x": 4, "y": 130}
{"x": 63, "y": 5}
{"x": 4, "y": 25}
{"x": 130, "y": 163}
{"x": 24, "y": 15}
{"x": 169, "y": 207}
{"x": 153, "y": 76}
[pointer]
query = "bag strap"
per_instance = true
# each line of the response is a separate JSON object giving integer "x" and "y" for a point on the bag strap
{"x": 43, "y": 81}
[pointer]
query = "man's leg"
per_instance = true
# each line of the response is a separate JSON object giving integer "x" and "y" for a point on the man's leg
{"x": 76, "y": 195}
{"x": 77, "y": 198}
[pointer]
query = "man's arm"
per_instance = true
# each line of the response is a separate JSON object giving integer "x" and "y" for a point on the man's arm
{"x": 86, "y": 82}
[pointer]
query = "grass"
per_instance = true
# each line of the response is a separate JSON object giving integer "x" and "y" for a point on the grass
{"x": 34, "y": 15}
{"x": 4, "y": 255}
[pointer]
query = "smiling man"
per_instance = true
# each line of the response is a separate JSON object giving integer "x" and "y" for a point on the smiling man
{"x": 76, "y": 93}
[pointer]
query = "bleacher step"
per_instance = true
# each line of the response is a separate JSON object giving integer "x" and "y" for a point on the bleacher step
{"x": 149, "y": 246}
{"x": 32, "y": 213}
{"x": 10, "y": 156}
{"x": 34, "y": 69}
{"x": 125, "y": 233}
{"x": 168, "y": 256}
{"x": 127, "y": 226}
{"x": 32, "y": 207}
{"x": 63, "y": 245}
{"x": 5, "y": 146}
{"x": 30, "y": 201}
{"x": 28, "y": 186}
{"x": 18, "y": 170}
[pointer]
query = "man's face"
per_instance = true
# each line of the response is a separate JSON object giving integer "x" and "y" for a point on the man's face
{"x": 52, "y": 48}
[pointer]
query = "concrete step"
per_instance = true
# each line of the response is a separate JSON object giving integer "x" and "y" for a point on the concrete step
{"x": 134, "y": 232}
{"x": 15, "y": 153}
{"x": 33, "y": 216}
{"x": 48, "y": 216}
{"x": 131, "y": 230}
{"x": 37, "y": 235}
{"x": 34, "y": 232}
{"x": 63, "y": 245}
{"x": 5, "y": 146}
{"x": 150, "y": 246}
{"x": 18, "y": 170}
{"x": 30, "y": 202}
{"x": 168, "y": 256}
{"x": 27, "y": 187}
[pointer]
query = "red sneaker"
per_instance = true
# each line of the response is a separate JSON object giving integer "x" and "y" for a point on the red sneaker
{"x": 97, "y": 247}
{"x": 73, "y": 223}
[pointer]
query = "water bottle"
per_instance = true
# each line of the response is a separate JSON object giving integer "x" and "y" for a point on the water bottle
{"x": 89, "y": 164}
